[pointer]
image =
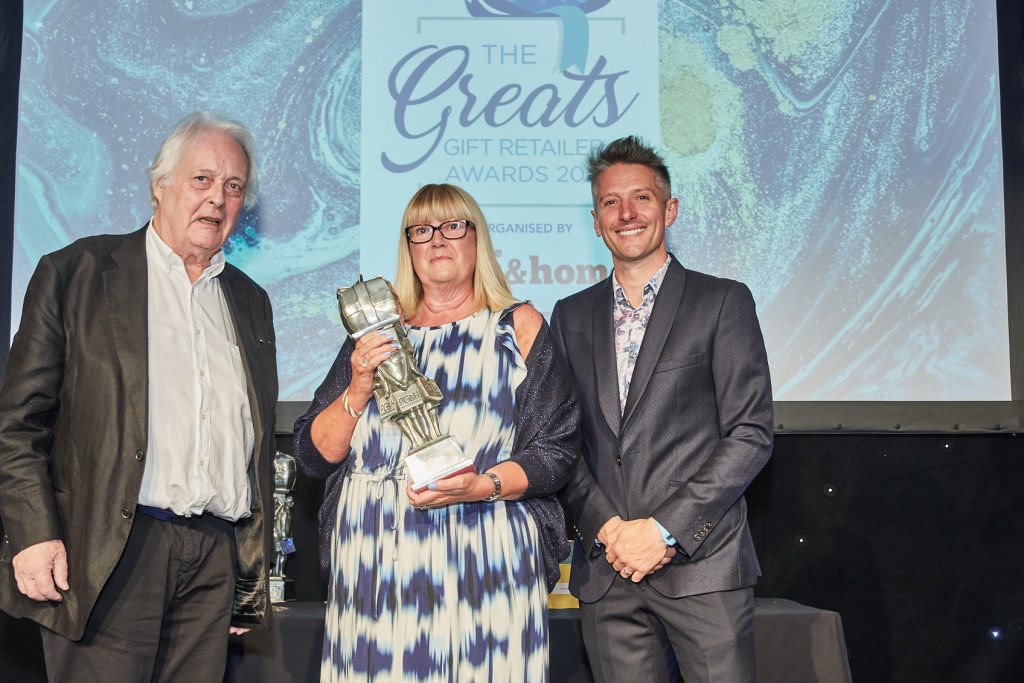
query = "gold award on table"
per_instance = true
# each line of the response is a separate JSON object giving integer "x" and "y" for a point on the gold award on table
{"x": 404, "y": 395}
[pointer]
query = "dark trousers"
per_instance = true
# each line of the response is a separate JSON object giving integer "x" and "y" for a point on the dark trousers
{"x": 634, "y": 633}
{"x": 165, "y": 612}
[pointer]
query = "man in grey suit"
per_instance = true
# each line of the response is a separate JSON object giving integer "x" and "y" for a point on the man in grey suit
{"x": 671, "y": 370}
{"x": 136, "y": 427}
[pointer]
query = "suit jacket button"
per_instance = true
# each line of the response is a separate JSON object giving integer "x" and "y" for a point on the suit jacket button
{"x": 618, "y": 461}
{"x": 139, "y": 455}
{"x": 126, "y": 513}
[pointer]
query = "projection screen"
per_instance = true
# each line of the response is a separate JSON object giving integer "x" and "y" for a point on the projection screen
{"x": 843, "y": 159}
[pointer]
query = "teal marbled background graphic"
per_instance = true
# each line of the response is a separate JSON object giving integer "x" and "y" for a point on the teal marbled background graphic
{"x": 841, "y": 158}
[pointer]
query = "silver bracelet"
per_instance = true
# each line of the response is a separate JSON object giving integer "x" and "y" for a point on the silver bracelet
{"x": 497, "y": 488}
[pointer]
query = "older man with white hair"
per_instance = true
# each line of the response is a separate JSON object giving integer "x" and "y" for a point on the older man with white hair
{"x": 136, "y": 423}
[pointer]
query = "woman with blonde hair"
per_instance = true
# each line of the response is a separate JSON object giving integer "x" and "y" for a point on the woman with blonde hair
{"x": 449, "y": 583}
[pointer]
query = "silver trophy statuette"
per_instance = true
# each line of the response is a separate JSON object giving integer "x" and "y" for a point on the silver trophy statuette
{"x": 282, "y": 589}
{"x": 403, "y": 394}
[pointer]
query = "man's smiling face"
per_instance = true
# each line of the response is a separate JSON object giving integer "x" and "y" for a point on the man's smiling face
{"x": 631, "y": 215}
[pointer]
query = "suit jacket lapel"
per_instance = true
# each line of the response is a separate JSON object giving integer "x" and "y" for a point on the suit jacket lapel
{"x": 604, "y": 358}
{"x": 663, "y": 317}
{"x": 126, "y": 289}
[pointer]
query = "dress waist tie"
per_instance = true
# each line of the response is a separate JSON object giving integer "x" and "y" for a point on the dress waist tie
{"x": 388, "y": 485}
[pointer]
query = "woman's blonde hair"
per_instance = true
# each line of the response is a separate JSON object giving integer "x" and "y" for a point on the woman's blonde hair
{"x": 450, "y": 202}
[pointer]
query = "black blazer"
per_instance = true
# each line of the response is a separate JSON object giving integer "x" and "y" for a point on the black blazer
{"x": 73, "y": 424}
{"x": 697, "y": 428}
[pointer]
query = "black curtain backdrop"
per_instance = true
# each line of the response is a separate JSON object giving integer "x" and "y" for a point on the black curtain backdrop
{"x": 916, "y": 540}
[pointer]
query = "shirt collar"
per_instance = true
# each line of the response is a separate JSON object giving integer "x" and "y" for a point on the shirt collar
{"x": 651, "y": 288}
{"x": 158, "y": 252}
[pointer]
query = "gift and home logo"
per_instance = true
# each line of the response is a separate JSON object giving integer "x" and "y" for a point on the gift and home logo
{"x": 572, "y": 13}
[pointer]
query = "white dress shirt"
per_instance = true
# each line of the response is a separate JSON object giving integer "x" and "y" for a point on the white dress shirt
{"x": 200, "y": 426}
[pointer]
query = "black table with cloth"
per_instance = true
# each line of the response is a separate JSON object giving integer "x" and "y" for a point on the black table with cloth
{"x": 795, "y": 644}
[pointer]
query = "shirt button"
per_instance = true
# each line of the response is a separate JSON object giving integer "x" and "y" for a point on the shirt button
{"x": 201, "y": 463}
{"x": 203, "y": 416}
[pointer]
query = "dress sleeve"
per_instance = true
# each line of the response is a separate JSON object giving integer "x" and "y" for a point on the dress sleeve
{"x": 312, "y": 462}
{"x": 308, "y": 456}
{"x": 547, "y": 442}
{"x": 547, "y": 445}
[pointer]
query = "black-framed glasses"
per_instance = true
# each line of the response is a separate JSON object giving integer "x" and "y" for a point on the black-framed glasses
{"x": 450, "y": 230}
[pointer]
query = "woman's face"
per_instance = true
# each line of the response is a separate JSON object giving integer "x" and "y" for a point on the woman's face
{"x": 442, "y": 262}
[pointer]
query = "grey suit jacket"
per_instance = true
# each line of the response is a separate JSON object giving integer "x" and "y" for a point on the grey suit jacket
{"x": 73, "y": 424}
{"x": 697, "y": 428}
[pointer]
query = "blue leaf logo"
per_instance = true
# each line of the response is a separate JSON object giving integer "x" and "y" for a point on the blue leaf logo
{"x": 572, "y": 13}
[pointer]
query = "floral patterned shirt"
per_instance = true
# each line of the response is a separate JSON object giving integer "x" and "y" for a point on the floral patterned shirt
{"x": 630, "y": 324}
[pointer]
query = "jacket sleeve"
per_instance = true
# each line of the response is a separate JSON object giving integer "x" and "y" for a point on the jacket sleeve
{"x": 743, "y": 398}
{"x": 30, "y": 403}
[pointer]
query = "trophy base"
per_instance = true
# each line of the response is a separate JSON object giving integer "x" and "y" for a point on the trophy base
{"x": 281, "y": 589}
{"x": 435, "y": 460}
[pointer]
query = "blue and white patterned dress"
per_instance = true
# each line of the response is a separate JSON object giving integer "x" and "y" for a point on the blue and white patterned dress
{"x": 449, "y": 594}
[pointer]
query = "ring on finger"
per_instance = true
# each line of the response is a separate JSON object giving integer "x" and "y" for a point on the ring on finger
{"x": 362, "y": 362}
